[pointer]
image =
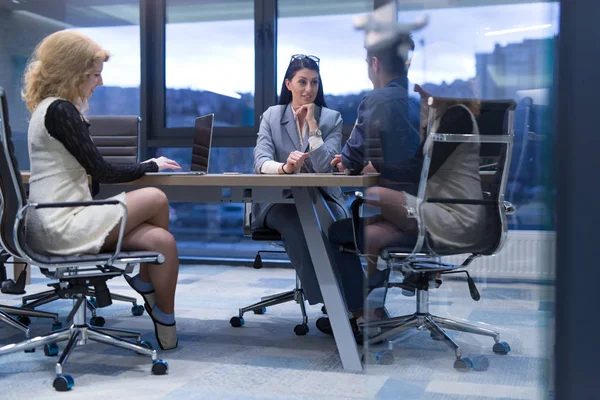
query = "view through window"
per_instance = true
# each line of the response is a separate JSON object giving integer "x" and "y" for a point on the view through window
{"x": 210, "y": 62}
{"x": 115, "y": 26}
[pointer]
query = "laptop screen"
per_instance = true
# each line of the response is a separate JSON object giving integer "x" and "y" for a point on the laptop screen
{"x": 202, "y": 142}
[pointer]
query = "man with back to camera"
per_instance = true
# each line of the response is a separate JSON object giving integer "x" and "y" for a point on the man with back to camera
{"x": 383, "y": 140}
{"x": 383, "y": 134}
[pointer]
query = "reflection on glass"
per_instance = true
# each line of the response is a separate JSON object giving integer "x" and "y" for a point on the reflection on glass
{"x": 498, "y": 52}
{"x": 493, "y": 54}
{"x": 114, "y": 26}
{"x": 340, "y": 49}
{"x": 210, "y": 62}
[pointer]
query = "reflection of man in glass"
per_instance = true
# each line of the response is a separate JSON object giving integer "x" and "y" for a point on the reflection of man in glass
{"x": 382, "y": 133}
{"x": 382, "y": 138}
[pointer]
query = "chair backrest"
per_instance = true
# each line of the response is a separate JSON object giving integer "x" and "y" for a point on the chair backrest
{"x": 496, "y": 124}
{"x": 116, "y": 136}
{"x": 12, "y": 192}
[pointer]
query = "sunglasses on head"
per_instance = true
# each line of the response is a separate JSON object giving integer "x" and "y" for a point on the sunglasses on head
{"x": 303, "y": 56}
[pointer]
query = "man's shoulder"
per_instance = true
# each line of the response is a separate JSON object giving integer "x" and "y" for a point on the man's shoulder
{"x": 385, "y": 95}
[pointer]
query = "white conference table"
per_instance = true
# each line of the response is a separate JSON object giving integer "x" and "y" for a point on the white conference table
{"x": 314, "y": 216}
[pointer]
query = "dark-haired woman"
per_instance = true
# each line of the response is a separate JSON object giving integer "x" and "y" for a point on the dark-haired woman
{"x": 301, "y": 135}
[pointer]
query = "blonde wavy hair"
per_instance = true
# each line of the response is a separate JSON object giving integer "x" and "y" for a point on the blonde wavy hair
{"x": 59, "y": 66}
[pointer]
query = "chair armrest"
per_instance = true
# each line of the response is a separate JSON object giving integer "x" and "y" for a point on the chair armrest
{"x": 461, "y": 201}
{"x": 73, "y": 204}
{"x": 21, "y": 215}
{"x": 355, "y": 208}
{"x": 509, "y": 209}
{"x": 247, "y": 219}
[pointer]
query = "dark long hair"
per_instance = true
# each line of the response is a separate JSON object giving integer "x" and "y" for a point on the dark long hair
{"x": 296, "y": 64}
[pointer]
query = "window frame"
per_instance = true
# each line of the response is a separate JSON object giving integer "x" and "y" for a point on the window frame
{"x": 154, "y": 133}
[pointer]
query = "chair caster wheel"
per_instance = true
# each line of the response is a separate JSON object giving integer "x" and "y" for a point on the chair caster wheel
{"x": 260, "y": 311}
{"x": 97, "y": 321}
{"x": 463, "y": 364}
{"x": 382, "y": 358}
{"x": 159, "y": 367}
{"x": 301, "y": 329}
{"x": 63, "y": 383}
{"x": 480, "y": 363}
{"x": 137, "y": 310}
{"x": 51, "y": 350}
{"x": 236, "y": 322}
{"x": 93, "y": 302}
{"x": 32, "y": 350}
{"x": 24, "y": 319}
{"x": 57, "y": 326}
{"x": 501, "y": 348}
{"x": 257, "y": 262}
{"x": 324, "y": 310}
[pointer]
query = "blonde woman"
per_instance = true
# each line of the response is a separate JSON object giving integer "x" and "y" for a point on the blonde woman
{"x": 65, "y": 69}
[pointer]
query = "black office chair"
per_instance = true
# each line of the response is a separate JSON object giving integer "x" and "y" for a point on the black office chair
{"x": 75, "y": 274}
{"x": 117, "y": 139}
{"x": 296, "y": 294}
{"x": 7, "y": 312}
{"x": 418, "y": 260}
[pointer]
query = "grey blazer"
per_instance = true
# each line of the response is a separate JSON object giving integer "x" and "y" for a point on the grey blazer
{"x": 278, "y": 137}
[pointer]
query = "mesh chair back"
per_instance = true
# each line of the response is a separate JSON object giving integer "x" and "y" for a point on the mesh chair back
{"x": 11, "y": 186}
{"x": 495, "y": 123}
{"x": 116, "y": 137}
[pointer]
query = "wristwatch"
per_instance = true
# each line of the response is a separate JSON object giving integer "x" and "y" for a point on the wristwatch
{"x": 316, "y": 132}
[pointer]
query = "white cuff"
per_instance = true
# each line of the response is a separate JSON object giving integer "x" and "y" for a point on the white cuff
{"x": 270, "y": 167}
{"x": 314, "y": 142}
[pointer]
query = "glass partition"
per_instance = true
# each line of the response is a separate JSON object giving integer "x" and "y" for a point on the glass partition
{"x": 478, "y": 55}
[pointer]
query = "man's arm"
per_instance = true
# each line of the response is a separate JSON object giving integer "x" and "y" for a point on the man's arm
{"x": 353, "y": 152}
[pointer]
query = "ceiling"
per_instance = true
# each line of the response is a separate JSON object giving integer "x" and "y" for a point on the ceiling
{"x": 88, "y": 13}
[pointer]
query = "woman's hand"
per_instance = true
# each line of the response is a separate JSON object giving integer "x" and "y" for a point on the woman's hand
{"x": 308, "y": 112}
{"x": 294, "y": 161}
{"x": 337, "y": 162}
{"x": 165, "y": 163}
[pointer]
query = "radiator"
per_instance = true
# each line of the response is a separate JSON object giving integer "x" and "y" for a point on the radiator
{"x": 529, "y": 255}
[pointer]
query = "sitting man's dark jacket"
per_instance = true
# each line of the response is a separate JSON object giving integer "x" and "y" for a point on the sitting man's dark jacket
{"x": 384, "y": 136}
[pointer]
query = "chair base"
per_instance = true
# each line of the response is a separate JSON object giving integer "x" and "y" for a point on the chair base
{"x": 296, "y": 295}
{"x": 38, "y": 299}
{"x": 423, "y": 319}
{"x": 14, "y": 323}
{"x": 24, "y": 314}
{"x": 78, "y": 334}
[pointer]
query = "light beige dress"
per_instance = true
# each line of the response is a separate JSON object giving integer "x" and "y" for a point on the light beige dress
{"x": 56, "y": 176}
{"x": 454, "y": 225}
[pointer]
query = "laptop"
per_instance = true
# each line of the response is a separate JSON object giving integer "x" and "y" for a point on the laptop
{"x": 200, "y": 149}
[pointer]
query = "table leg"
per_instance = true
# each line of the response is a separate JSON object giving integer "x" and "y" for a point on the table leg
{"x": 336, "y": 310}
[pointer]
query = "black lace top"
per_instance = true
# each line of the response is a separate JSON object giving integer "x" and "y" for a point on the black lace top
{"x": 64, "y": 123}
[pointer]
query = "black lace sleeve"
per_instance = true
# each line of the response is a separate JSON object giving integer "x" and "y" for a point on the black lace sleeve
{"x": 64, "y": 123}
